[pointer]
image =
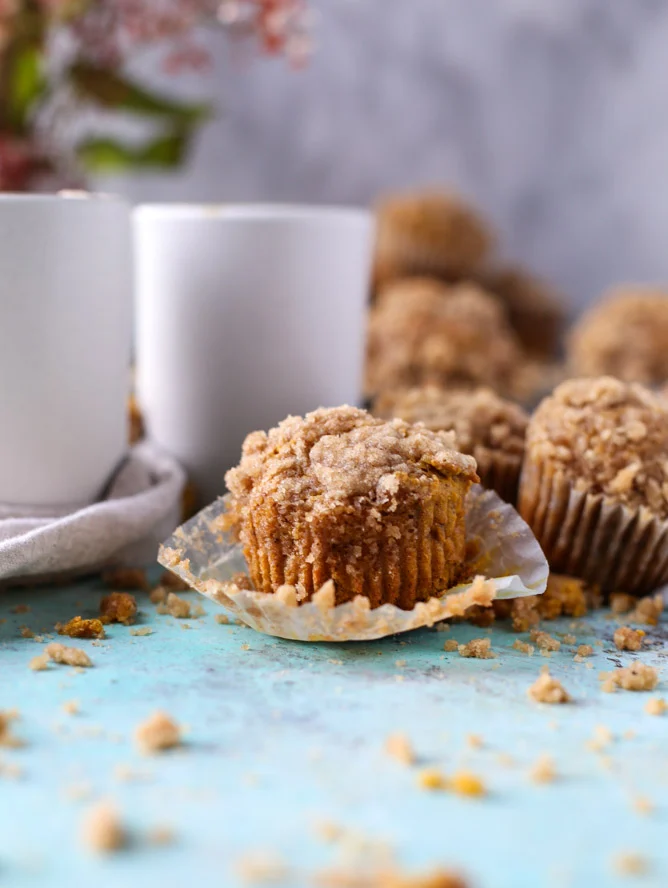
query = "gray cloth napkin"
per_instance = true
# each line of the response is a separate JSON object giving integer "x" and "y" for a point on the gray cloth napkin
{"x": 142, "y": 506}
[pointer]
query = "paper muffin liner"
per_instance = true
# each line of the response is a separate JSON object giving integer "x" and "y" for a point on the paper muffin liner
{"x": 505, "y": 557}
{"x": 499, "y": 471}
{"x": 589, "y": 536}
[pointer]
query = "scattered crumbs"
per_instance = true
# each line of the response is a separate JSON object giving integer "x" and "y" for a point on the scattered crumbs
{"x": 589, "y": 665}
{"x": 643, "y": 806}
{"x": 627, "y": 639}
{"x": 157, "y": 733}
{"x": 39, "y": 663}
{"x": 451, "y": 645}
{"x": 398, "y": 677}
{"x": 142, "y": 630}
{"x": 198, "y": 611}
{"x": 602, "y": 738}
{"x": 478, "y": 648}
{"x": 78, "y": 627}
{"x": 569, "y": 638}
{"x": 161, "y": 836}
{"x": 431, "y": 779}
{"x": 631, "y": 864}
{"x": 103, "y": 831}
{"x": 465, "y": 783}
{"x": 20, "y": 609}
{"x": 126, "y": 578}
{"x": 656, "y": 706}
{"x": 67, "y": 656}
{"x": 621, "y": 603}
{"x": 543, "y": 770}
{"x": 523, "y": 647}
{"x": 26, "y": 632}
{"x": 38, "y": 638}
{"x": 71, "y": 707}
{"x": 545, "y": 653}
{"x": 7, "y": 738}
{"x": 399, "y": 663}
{"x": 118, "y": 607}
{"x": 399, "y": 747}
{"x": 170, "y": 580}
{"x": 475, "y": 741}
{"x": 505, "y": 759}
{"x": 647, "y": 610}
{"x": 223, "y": 619}
{"x": 186, "y": 626}
{"x": 636, "y": 677}
{"x": 544, "y": 640}
{"x": 175, "y": 606}
{"x": 262, "y": 868}
{"x": 548, "y": 690}
{"x": 584, "y": 650}
{"x": 245, "y": 647}
{"x": 443, "y": 627}
{"x": 386, "y": 877}
{"x": 158, "y": 595}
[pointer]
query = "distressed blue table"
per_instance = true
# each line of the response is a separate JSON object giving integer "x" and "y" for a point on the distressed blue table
{"x": 283, "y": 736}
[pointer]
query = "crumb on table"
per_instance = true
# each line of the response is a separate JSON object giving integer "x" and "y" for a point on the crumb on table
{"x": 158, "y": 594}
{"x": 451, "y": 645}
{"x": 399, "y": 747}
{"x": 465, "y": 783}
{"x": 126, "y": 578}
{"x": 142, "y": 630}
{"x": 158, "y": 733}
{"x": 118, "y": 607}
{"x": 478, "y": 648}
{"x": 7, "y": 737}
{"x": 71, "y": 707}
{"x": 543, "y": 770}
{"x": 103, "y": 831}
{"x": 547, "y": 689}
{"x": 621, "y": 602}
{"x": 656, "y": 706}
{"x": 647, "y": 611}
{"x": 431, "y": 779}
{"x": 584, "y": 650}
{"x": 636, "y": 677}
{"x": 630, "y": 864}
{"x": 67, "y": 656}
{"x": 627, "y": 639}
{"x": 39, "y": 663}
{"x": 78, "y": 627}
{"x": 175, "y": 606}
{"x": 544, "y": 640}
{"x": 523, "y": 647}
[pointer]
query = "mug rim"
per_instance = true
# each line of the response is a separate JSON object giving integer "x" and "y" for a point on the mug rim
{"x": 61, "y": 197}
{"x": 250, "y": 212}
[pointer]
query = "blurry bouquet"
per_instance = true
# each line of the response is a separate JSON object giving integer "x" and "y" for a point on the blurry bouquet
{"x": 65, "y": 62}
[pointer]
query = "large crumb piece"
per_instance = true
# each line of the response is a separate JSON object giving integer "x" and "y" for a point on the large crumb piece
{"x": 543, "y": 770}
{"x": 622, "y": 603}
{"x": 118, "y": 607}
{"x": 159, "y": 594}
{"x": 175, "y": 606}
{"x": 7, "y": 737}
{"x": 465, "y": 783}
{"x": 584, "y": 650}
{"x": 399, "y": 747}
{"x": 627, "y": 639}
{"x": 67, "y": 656}
{"x": 656, "y": 706}
{"x": 548, "y": 690}
{"x": 451, "y": 645}
{"x": 157, "y": 733}
{"x": 39, "y": 663}
{"x": 78, "y": 627}
{"x": 636, "y": 677}
{"x": 523, "y": 647}
{"x": 173, "y": 581}
{"x": 431, "y": 779}
{"x": 602, "y": 738}
{"x": 479, "y": 648}
{"x": 564, "y": 596}
{"x": 126, "y": 578}
{"x": 631, "y": 864}
{"x": 141, "y": 631}
{"x": 222, "y": 619}
{"x": 545, "y": 641}
{"x": 103, "y": 831}
{"x": 647, "y": 610}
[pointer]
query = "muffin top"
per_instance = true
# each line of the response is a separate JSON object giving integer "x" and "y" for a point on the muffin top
{"x": 608, "y": 437}
{"x": 478, "y": 418}
{"x": 340, "y": 456}
{"x": 425, "y": 332}
{"x": 625, "y": 335}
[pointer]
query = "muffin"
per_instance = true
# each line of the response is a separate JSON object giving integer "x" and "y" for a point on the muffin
{"x": 486, "y": 426}
{"x": 625, "y": 335}
{"x": 535, "y": 312}
{"x": 424, "y": 332}
{"x": 594, "y": 485}
{"x": 377, "y": 507}
{"x": 428, "y": 234}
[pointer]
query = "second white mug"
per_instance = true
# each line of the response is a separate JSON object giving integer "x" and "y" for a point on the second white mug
{"x": 245, "y": 315}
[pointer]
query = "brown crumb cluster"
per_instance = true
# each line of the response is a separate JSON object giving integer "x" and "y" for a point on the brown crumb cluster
{"x": 624, "y": 335}
{"x": 422, "y": 333}
{"x": 7, "y": 737}
{"x": 627, "y": 639}
{"x": 451, "y": 645}
{"x": 103, "y": 830}
{"x": 547, "y": 689}
{"x": 175, "y": 606}
{"x": 118, "y": 607}
{"x": 77, "y": 627}
{"x": 647, "y": 610}
{"x": 564, "y": 596}
{"x": 67, "y": 656}
{"x": 158, "y": 733}
{"x": 399, "y": 747}
{"x": 622, "y": 602}
{"x": 656, "y": 706}
{"x": 523, "y": 647}
{"x": 543, "y": 770}
{"x": 584, "y": 650}
{"x": 478, "y": 418}
{"x": 636, "y": 677}
{"x": 606, "y": 437}
{"x": 479, "y": 648}
{"x": 126, "y": 578}
{"x": 545, "y": 641}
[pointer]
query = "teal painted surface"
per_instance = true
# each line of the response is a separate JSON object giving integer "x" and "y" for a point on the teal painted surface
{"x": 284, "y": 735}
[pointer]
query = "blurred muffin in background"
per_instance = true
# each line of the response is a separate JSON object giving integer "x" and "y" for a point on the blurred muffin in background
{"x": 487, "y": 427}
{"x": 624, "y": 335}
{"x": 424, "y": 332}
{"x": 428, "y": 234}
{"x": 535, "y": 311}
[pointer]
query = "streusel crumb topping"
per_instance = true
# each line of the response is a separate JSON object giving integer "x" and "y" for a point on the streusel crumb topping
{"x": 608, "y": 437}
{"x": 478, "y": 418}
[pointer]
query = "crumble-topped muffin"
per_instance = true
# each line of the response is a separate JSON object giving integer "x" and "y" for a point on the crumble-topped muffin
{"x": 488, "y": 427}
{"x": 428, "y": 233}
{"x": 377, "y": 507}
{"x": 535, "y": 311}
{"x": 624, "y": 335}
{"x": 594, "y": 485}
{"x": 424, "y": 332}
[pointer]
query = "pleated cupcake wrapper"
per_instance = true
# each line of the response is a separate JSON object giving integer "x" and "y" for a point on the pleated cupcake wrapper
{"x": 499, "y": 472}
{"x": 506, "y": 554}
{"x": 589, "y": 536}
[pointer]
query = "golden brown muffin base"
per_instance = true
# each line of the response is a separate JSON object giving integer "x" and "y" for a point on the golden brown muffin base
{"x": 409, "y": 555}
{"x": 590, "y": 536}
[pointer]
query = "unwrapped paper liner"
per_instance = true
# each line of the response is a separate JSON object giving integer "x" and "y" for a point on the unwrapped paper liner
{"x": 507, "y": 554}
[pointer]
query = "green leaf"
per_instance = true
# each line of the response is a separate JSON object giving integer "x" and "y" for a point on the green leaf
{"x": 109, "y": 155}
{"x": 26, "y": 85}
{"x": 114, "y": 91}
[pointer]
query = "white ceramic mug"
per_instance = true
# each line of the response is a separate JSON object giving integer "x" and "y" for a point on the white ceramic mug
{"x": 245, "y": 314}
{"x": 65, "y": 338}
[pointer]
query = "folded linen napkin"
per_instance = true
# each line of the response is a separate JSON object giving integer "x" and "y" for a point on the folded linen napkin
{"x": 141, "y": 506}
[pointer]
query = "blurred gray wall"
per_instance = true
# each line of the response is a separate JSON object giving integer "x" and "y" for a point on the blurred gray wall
{"x": 551, "y": 115}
